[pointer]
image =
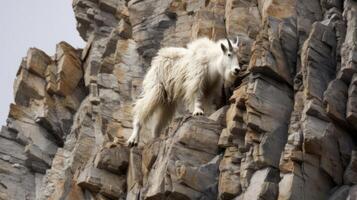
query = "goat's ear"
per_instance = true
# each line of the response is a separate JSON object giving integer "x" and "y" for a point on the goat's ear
{"x": 224, "y": 48}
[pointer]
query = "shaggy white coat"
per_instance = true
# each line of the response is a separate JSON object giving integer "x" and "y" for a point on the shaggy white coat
{"x": 191, "y": 76}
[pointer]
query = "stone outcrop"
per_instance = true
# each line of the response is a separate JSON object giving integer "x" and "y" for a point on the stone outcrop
{"x": 287, "y": 130}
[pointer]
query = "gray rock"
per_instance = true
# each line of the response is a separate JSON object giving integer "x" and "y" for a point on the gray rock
{"x": 351, "y": 112}
{"x": 263, "y": 185}
{"x": 36, "y": 159}
{"x": 115, "y": 160}
{"x": 103, "y": 182}
{"x": 335, "y": 100}
{"x": 286, "y": 132}
{"x": 348, "y": 52}
{"x": 188, "y": 161}
{"x": 350, "y": 176}
{"x": 229, "y": 180}
{"x": 220, "y": 115}
{"x": 352, "y": 193}
{"x": 341, "y": 193}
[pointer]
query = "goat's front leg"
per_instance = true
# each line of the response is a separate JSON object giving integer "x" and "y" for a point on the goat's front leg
{"x": 198, "y": 110}
{"x": 134, "y": 138}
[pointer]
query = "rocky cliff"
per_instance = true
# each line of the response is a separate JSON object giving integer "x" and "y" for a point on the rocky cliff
{"x": 287, "y": 131}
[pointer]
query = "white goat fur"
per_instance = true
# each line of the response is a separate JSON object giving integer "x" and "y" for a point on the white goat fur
{"x": 191, "y": 76}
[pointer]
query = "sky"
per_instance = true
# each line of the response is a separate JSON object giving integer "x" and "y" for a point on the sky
{"x": 31, "y": 23}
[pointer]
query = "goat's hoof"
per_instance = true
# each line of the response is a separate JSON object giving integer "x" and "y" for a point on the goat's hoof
{"x": 198, "y": 113}
{"x": 132, "y": 143}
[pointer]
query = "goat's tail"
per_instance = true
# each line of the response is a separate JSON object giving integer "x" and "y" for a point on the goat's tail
{"x": 148, "y": 102}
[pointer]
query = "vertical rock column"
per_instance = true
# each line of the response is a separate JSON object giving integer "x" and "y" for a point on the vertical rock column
{"x": 257, "y": 120}
{"x": 319, "y": 145}
{"x": 93, "y": 162}
{"x": 47, "y": 92}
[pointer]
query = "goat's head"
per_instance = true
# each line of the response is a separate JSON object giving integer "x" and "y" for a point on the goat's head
{"x": 230, "y": 61}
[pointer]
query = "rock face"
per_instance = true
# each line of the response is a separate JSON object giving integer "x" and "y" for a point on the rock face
{"x": 287, "y": 131}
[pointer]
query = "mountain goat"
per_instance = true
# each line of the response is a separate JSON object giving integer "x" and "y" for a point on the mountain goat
{"x": 191, "y": 75}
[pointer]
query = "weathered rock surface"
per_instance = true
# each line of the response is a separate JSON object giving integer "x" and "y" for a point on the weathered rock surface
{"x": 167, "y": 173}
{"x": 287, "y": 131}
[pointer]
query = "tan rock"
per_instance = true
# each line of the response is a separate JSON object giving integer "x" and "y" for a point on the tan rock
{"x": 37, "y": 61}
{"x": 28, "y": 86}
{"x": 69, "y": 70}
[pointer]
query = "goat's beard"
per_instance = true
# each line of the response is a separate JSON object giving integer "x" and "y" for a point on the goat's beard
{"x": 229, "y": 78}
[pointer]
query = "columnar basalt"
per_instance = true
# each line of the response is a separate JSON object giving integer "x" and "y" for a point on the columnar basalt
{"x": 286, "y": 131}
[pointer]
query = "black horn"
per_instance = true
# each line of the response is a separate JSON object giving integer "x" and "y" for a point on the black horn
{"x": 229, "y": 44}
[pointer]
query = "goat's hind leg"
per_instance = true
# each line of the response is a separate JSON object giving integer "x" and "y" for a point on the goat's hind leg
{"x": 163, "y": 116}
{"x": 143, "y": 110}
